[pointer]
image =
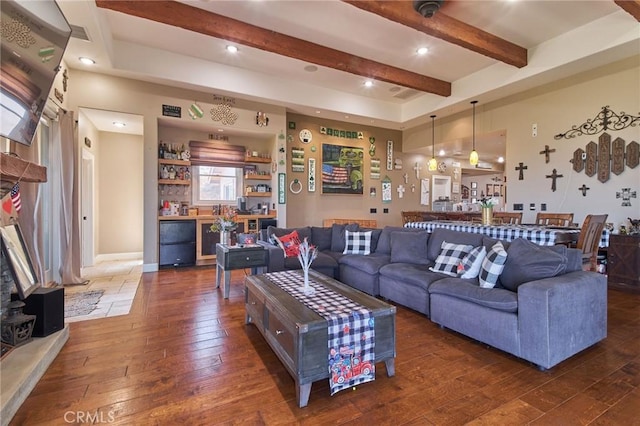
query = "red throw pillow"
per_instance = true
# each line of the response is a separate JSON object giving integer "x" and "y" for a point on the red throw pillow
{"x": 290, "y": 244}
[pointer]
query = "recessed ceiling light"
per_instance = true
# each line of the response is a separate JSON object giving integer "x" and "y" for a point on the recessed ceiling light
{"x": 119, "y": 124}
{"x": 311, "y": 68}
{"x": 368, "y": 83}
{"x": 500, "y": 159}
{"x": 87, "y": 61}
{"x": 317, "y": 111}
{"x": 231, "y": 48}
{"x": 220, "y": 130}
{"x": 346, "y": 116}
{"x": 422, "y": 51}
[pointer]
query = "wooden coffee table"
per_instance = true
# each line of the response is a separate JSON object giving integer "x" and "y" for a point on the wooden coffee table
{"x": 298, "y": 335}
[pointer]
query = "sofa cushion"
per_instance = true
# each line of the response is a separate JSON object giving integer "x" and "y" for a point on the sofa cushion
{"x": 439, "y": 235}
{"x": 357, "y": 242}
{"x": 384, "y": 242}
{"x": 492, "y": 265}
{"x": 409, "y": 247}
{"x": 321, "y": 237}
{"x": 469, "y": 266}
{"x": 337, "y": 235}
{"x": 410, "y": 274}
{"x": 528, "y": 261}
{"x": 370, "y": 264}
{"x": 450, "y": 256}
{"x": 321, "y": 261}
{"x": 500, "y": 299}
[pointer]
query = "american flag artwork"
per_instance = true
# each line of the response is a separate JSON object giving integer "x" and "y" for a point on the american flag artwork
{"x": 15, "y": 197}
{"x": 334, "y": 174}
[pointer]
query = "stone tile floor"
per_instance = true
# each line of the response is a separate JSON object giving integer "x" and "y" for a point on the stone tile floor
{"x": 119, "y": 279}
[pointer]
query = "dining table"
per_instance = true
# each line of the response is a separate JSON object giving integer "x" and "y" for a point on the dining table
{"x": 539, "y": 234}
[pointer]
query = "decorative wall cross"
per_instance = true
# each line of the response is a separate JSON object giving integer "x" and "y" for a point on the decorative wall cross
{"x": 546, "y": 151}
{"x": 553, "y": 176}
{"x": 417, "y": 168}
{"x": 406, "y": 178}
{"x": 400, "y": 190}
{"x": 521, "y": 168}
{"x": 626, "y": 194}
{"x": 584, "y": 189}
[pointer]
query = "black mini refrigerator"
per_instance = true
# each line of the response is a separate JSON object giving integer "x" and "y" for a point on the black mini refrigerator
{"x": 177, "y": 242}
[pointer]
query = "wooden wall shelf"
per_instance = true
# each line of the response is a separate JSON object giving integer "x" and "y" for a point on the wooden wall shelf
{"x": 173, "y": 182}
{"x": 13, "y": 168}
{"x": 257, "y": 194}
{"x": 256, "y": 160}
{"x": 255, "y": 176}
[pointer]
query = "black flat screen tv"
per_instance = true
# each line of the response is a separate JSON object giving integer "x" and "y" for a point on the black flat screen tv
{"x": 35, "y": 34}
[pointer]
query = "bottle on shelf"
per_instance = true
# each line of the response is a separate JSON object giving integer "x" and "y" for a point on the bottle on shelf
{"x": 161, "y": 150}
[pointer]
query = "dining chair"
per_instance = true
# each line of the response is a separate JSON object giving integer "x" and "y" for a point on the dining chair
{"x": 511, "y": 218}
{"x": 557, "y": 219}
{"x": 412, "y": 216}
{"x": 589, "y": 240}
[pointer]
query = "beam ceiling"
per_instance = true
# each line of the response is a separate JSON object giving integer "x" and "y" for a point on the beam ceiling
{"x": 214, "y": 25}
{"x": 632, "y": 7}
{"x": 448, "y": 29}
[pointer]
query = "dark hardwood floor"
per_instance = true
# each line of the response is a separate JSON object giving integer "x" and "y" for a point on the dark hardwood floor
{"x": 185, "y": 357}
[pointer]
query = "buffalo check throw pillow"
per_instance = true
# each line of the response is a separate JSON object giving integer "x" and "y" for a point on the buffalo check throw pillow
{"x": 449, "y": 258}
{"x": 469, "y": 266}
{"x": 492, "y": 266}
{"x": 357, "y": 242}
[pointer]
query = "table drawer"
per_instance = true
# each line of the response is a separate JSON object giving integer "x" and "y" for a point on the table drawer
{"x": 246, "y": 258}
{"x": 282, "y": 335}
{"x": 255, "y": 307}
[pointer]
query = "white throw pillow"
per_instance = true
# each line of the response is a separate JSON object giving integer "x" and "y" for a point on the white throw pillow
{"x": 469, "y": 266}
{"x": 492, "y": 266}
{"x": 357, "y": 242}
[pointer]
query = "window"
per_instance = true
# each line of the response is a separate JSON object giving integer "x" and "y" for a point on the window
{"x": 212, "y": 185}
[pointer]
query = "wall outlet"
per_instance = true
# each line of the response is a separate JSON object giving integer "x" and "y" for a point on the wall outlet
{"x": 518, "y": 206}
{"x": 385, "y": 210}
{"x": 373, "y": 211}
{"x": 532, "y": 206}
{"x": 534, "y": 129}
{"x": 543, "y": 207}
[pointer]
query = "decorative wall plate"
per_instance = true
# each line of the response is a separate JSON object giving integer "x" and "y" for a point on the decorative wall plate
{"x": 305, "y": 136}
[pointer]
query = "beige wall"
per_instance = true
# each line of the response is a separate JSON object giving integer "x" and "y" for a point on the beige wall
{"x": 120, "y": 94}
{"x": 556, "y": 108}
{"x": 120, "y": 185}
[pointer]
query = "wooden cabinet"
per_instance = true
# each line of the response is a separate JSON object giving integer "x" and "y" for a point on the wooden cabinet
{"x": 623, "y": 262}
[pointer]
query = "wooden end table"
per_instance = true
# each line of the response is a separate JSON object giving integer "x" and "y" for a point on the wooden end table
{"x": 229, "y": 257}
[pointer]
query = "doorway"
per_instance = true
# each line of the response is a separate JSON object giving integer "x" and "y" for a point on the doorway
{"x": 87, "y": 213}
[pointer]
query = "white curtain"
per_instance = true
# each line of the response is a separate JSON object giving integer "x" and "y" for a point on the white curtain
{"x": 64, "y": 153}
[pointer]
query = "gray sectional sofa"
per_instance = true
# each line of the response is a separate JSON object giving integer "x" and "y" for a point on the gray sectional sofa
{"x": 543, "y": 309}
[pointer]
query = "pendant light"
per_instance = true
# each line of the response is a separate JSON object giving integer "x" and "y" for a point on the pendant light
{"x": 473, "y": 158}
{"x": 433, "y": 164}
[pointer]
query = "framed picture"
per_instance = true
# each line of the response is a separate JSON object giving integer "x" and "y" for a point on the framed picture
{"x": 342, "y": 169}
{"x": 386, "y": 190}
{"x": 282, "y": 183}
{"x": 496, "y": 190}
{"x": 455, "y": 188}
{"x": 489, "y": 191}
{"x": 474, "y": 185}
{"x": 474, "y": 192}
{"x": 18, "y": 259}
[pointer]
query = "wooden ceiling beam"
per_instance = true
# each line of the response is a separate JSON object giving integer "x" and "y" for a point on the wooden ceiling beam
{"x": 448, "y": 29}
{"x": 632, "y": 7}
{"x": 214, "y": 25}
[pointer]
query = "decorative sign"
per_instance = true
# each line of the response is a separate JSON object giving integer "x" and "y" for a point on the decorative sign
{"x": 386, "y": 190}
{"x": 171, "y": 111}
{"x": 424, "y": 192}
{"x": 348, "y": 134}
{"x": 389, "y": 155}
{"x": 312, "y": 175}
{"x": 374, "y": 169}
{"x": 297, "y": 159}
{"x": 282, "y": 183}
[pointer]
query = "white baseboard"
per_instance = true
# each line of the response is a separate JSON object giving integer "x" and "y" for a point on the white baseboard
{"x": 150, "y": 267}
{"x": 118, "y": 256}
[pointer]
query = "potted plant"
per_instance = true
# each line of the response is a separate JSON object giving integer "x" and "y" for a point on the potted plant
{"x": 224, "y": 224}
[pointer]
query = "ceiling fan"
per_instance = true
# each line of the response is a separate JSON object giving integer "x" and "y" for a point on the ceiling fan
{"x": 427, "y": 8}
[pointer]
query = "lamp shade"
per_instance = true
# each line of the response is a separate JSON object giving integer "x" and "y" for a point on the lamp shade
{"x": 473, "y": 158}
{"x": 433, "y": 164}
